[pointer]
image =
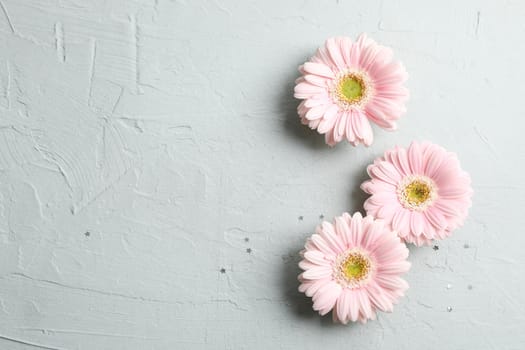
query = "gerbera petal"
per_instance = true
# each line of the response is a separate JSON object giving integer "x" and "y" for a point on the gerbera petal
{"x": 334, "y": 50}
{"x": 317, "y": 273}
{"x": 316, "y": 112}
{"x": 415, "y": 158}
{"x": 401, "y": 222}
{"x": 313, "y": 286}
{"x": 433, "y": 161}
{"x": 365, "y": 306}
{"x": 331, "y": 112}
{"x": 327, "y": 124}
{"x": 329, "y": 235}
{"x": 313, "y": 102}
{"x": 402, "y": 161}
{"x": 343, "y": 306}
{"x": 339, "y": 129}
{"x": 416, "y": 223}
{"x": 395, "y": 268}
{"x": 353, "y": 307}
{"x": 343, "y": 230}
{"x": 353, "y": 268}
{"x": 362, "y": 128}
{"x": 383, "y": 174}
{"x": 318, "y": 69}
{"x": 316, "y": 80}
{"x": 321, "y": 244}
{"x": 316, "y": 257}
{"x": 324, "y": 299}
{"x": 326, "y": 77}
{"x": 433, "y": 192}
{"x": 305, "y": 264}
{"x": 346, "y": 51}
{"x": 350, "y": 135}
{"x": 306, "y": 90}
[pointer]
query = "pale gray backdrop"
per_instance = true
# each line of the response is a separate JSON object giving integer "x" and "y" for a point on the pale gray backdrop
{"x": 156, "y": 185}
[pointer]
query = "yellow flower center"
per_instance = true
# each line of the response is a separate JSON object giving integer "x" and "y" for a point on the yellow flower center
{"x": 417, "y": 192}
{"x": 356, "y": 266}
{"x": 352, "y": 89}
{"x": 352, "y": 268}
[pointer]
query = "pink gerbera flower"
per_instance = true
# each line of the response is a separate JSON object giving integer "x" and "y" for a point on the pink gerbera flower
{"x": 421, "y": 192}
{"x": 353, "y": 267}
{"x": 346, "y": 85}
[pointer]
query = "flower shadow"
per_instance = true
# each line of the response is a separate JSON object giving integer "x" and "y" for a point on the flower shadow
{"x": 287, "y": 105}
{"x": 300, "y": 305}
{"x": 357, "y": 196}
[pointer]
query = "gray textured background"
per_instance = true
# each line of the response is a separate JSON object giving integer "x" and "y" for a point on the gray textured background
{"x": 146, "y": 145}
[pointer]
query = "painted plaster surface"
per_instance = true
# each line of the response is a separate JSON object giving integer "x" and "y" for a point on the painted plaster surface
{"x": 156, "y": 185}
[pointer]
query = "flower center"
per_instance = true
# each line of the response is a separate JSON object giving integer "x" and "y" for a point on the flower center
{"x": 355, "y": 266}
{"x": 352, "y": 268}
{"x": 351, "y": 89}
{"x": 417, "y": 192}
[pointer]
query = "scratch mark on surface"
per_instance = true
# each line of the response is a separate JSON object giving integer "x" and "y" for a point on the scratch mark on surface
{"x": 51, "y": 158}
{"x": 476, "y": 29}
{"x": 24, "y": 342}
{"x": 6, "y": 93}
{"x": 223, "y": 8}
{"x": 92, "y": 69}
{"x": 6, "y": 14}
{"x": 91, "y": 290}
{"x": 484, "y": 139}
{"x": 77, "y": 209}
{"x": 80, "y": 332}
{"x": 135, "y": 30}
{"x": 117, "y": 101}
{"x": 424, "y": 305}
{"x": 59, "y": 42}
{"x": 229, "y": 301}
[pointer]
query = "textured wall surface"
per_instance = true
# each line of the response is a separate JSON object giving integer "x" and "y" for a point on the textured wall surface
{"x": 156, "y": 184}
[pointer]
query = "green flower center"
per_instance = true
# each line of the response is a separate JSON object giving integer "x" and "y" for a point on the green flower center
{"x": 417, "y": 192}
{"x": 355, "y": 267}
{"x": 351, "y": 88}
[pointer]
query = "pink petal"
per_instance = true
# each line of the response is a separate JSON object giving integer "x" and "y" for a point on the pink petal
{"x": 316, "y": 80}
{"x": 347, "y": 51}
{"x": 343, "y": 306}
{"x": 316, "y": 112}
{"x": 334, "y": 51}
{"x": 321, "y": 244}
{"x": 329, "y": 235}
{"x": 339, "y": 130}
{"x": 350, "y": 135}
{"x": 327, "y": 125}
{"x": 364, "y": 301}
{"x": 362, "y": 128}
{"x": 343, "y": 230}
{"x": 353, "y": 306}
{"x": 316, "y": 273}
{"x": 313, "y": 102}
{"x": 416, "y": 223}
{"x": 415, "y": 159}
{"x": 383, "y": 174}
{"x": 305, "y": 90}
{"x": 401, "y": 222}
{"x": 319, "y": 69}
{"x": 313, "y": 286}
{"x": 325, "y": 298}
{"x": 316, "y": 257}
